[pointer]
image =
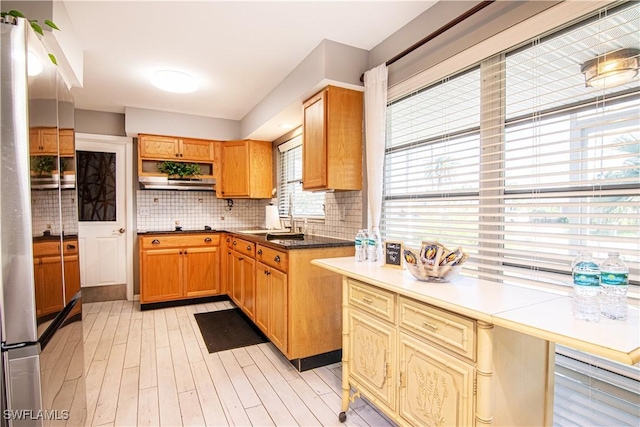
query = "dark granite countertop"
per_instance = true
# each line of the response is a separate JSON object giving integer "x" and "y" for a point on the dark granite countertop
{"x": 55, "y": 238}
{"x": 309, "y": 241}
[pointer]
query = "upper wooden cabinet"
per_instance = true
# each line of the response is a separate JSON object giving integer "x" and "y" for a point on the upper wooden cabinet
{"x": 43, "y": 141}
{"x": 173, "y": 148}
{"x": 67, "y": 143}
{"x": 246, "y": 170}
{"x": 332, "y": 140}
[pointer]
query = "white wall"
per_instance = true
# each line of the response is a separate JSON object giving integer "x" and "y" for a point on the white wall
{"x": 139, "y": 120}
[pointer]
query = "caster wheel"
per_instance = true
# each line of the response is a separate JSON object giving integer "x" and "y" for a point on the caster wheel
{"x": 342, "y": 417}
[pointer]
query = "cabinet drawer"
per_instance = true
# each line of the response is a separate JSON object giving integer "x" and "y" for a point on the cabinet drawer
{"x": 243, "y": 246}
{"x": 163, "y": 241}
{"x": 373, "y": 300}
{"x": 46, "y": 248}
{"x": 273, "y": 258}
{"x": 70, "y": 247}
{"x": 451, "y": 331}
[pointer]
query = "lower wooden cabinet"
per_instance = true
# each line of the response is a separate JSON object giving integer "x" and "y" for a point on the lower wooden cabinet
{"x": 241, "y": 274}
{"x": 271, "y": 304}
{"x": 179, "y": 267}
{"x": 48, "y": 275}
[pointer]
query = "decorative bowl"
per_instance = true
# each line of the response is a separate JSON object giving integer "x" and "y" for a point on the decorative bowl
{"x": 424, "y": 267}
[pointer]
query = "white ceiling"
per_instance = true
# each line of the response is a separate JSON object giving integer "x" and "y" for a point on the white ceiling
{"x": 239, "y": 51}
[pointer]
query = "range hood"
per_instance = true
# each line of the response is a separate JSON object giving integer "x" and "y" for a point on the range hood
{"x": 164, "y": 183}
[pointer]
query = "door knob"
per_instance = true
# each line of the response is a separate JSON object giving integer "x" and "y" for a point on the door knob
{"x": 121, "y": 231}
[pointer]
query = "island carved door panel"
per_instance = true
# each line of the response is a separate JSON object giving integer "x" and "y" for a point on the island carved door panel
{"x": 436, "y": 389}
{"x": 371, "y": 352}
{"x": 162, "y": 275}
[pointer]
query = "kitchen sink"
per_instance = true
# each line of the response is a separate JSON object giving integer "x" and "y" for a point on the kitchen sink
{"x": 284, "y": 235}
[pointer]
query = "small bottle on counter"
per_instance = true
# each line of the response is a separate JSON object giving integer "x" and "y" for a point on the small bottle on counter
{"x": 361, "y": 246}
{"x": 614, "y": 282}
{"x": 586, "y": 288}
{"x": 373, "y": 247}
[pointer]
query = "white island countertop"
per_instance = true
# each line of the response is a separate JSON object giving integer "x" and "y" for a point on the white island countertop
{"x": 538, "y": 313}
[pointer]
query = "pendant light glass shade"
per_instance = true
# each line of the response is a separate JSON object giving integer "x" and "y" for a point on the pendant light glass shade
{"x": 611, "y": 69}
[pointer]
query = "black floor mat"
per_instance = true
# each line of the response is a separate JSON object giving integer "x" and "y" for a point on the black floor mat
{"x": 227, "y": 329}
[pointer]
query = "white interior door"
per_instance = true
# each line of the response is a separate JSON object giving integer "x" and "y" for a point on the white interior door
{"x": 102, "y": 226}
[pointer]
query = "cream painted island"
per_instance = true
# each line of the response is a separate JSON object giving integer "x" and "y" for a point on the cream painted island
{"x": 466, "y": 353}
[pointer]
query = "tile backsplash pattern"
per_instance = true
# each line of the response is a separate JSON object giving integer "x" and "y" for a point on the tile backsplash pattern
{"x": 159, "y": 210}
{"x": 44, "y": 207}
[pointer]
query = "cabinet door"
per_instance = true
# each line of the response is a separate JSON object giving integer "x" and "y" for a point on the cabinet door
{"x": 67, "y": 145}
{"x": 201, "y": 271}
{"x": 161, "y": 275}
{"x": 236, "y": 284}
{"x": 235, "y": 171}
{"x": 436, "y": 388}
{"x": 51, "y": 292}
{"x": 371, "y": 356}
{"x": 314, "y": 149}
{"x": 249, "y": 286}
{"x": 71, "y": 277}
{"x": 196, "y": 150}
{"x": 159, "y": 147}
{"x": 278, "y": 309}
{"x": 229, "y": 275}
{"x": 262, "y": 297}
{"x": 49, "y": 141}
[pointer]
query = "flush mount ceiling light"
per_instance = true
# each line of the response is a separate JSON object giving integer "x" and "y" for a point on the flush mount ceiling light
{"x": 611, "y": 69}
{"x": 286, "y": 126}
{"x": 174, "y": 81}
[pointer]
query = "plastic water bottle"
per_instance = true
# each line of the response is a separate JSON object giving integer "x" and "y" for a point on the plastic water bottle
{"x": 586, "y": 288}
{"x": 373, "y": 247}
{"x": 361, "y": 246}
{"x": 614, "y": 281}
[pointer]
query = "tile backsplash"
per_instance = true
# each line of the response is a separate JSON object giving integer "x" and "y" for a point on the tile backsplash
{"x": 159, "y": 210}
{"x": 44, "y": 207}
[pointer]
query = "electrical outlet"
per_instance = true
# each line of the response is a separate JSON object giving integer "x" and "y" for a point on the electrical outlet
{"x": 144, "y": 212}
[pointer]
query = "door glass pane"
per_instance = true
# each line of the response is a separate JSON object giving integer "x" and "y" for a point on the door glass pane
{"x": 96, "y": 186}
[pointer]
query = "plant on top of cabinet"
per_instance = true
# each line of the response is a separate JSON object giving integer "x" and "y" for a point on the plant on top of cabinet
{"x": 179, "y": 169}
{"x": 332, "y": 140}
{"x": 43, "y": 165}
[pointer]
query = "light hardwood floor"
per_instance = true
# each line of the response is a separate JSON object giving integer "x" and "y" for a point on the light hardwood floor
{"x": 152, "y": 368}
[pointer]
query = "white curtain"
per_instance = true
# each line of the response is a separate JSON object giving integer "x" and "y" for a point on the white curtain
{"x": 375, "y": 111}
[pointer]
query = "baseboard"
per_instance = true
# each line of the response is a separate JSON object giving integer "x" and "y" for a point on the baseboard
{"x": 176, "y": 303}
{"x": 312, "y": 362}
{"x": 104, "y": 293}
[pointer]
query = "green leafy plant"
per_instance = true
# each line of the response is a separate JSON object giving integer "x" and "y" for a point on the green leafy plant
{"x": 179, "y": 169}
{"x": 36, "y": 27}
{"x": 43, "y": 165}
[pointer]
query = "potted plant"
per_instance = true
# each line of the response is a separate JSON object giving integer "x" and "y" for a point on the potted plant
{"x": 179, "y": 170}
{"x": 36, "y": 27}
{"x": 43, "y": 166}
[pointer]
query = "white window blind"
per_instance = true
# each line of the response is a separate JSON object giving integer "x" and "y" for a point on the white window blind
{"x": 518, "y": 162}
{"x": 304, "y": 203}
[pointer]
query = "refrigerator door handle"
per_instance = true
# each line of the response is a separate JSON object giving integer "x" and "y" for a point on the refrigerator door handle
{"x": 7, "y": 347}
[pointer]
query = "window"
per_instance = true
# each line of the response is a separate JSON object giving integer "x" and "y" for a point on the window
{"x": 518, "y": 162}
{"x": 304, "y": 203}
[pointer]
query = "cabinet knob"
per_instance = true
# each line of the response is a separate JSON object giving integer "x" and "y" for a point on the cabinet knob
{"x": 235, "y": 243}
{"x": 180, "y": 154}
{"x": 249, "y": 247}
{"x": 228, "y": 239}
{"x": 259, "y": 251}
{"x": 71, "y": 247}
{"x": 277, "y": 258}
{"x": 268, "y": 273}
{"x": 185, "y": 252}
{"x": 240, "y": 258}
{"x": 207, "y": 240}
{"x": 177, "y": 155}
{"x": 155, "y": 242}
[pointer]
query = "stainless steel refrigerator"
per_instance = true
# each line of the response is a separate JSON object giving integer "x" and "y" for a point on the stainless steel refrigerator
{"x": 42, "y": 377}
